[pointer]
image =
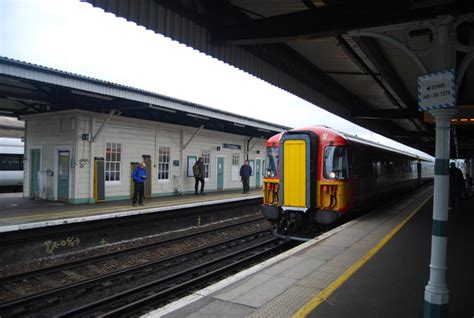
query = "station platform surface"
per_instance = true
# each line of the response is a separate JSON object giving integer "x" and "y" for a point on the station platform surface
{"x": 374, "y": 266}
{"x": 18, "y": 213}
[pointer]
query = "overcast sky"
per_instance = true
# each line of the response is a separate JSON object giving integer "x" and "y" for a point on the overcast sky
{"x": 72, "y": 36}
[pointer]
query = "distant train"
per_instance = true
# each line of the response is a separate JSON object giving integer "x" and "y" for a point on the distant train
{"x": 316, "y": 177}
{"x": 11, "y": 163}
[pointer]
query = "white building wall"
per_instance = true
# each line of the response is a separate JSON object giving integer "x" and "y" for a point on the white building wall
{"x": 50, "y": 134}
{"x": 141, "y": 137}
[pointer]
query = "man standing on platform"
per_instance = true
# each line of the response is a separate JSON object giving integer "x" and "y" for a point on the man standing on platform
{"x": 198, "y": 172}
{"x": 245, "y": 173}
{"x": 139, "y": 176}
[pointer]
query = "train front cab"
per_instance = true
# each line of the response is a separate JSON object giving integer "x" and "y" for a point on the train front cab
{"x": 300, "y": 198}
{"x": 289, "y": 201}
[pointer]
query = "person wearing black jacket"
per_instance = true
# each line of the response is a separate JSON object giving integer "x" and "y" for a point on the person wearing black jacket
{"x": 198, "y": 171}
{"x": 456, "y": 186}
{"x": 245, "y": 173}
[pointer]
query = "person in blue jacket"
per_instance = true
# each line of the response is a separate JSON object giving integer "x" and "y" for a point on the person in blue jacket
{"x": 245, "y": 173}
{"x": 139, "y": 177}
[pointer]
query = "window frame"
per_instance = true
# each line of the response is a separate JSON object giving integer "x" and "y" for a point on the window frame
{"x": 20, "y": 161}
{"x": 346, "y": 163}
{"x": 208, "y": 163}
{"x": 235, "y": 167}
{"x": 120, "y": 163}
{"x": 158, "y": 163}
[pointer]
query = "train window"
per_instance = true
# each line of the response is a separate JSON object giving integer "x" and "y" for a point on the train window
{"x": 272, "y": 161}
{"x": 11, "y": 162}
{"x": 335, "y": 163}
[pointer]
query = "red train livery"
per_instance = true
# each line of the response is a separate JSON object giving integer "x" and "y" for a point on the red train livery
{"x": 316, "y": 177}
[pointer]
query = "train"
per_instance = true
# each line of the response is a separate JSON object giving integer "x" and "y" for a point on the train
{"x": 317, "y": 177}
{"x": 11, "y": 163}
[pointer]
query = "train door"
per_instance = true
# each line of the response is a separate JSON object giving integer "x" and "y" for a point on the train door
{"x": 35, "y": 160}
{"x": 220, "y": 173}
{"x": 419, "y": 180}
{"x": 99, "y": 179}
{"x": 258, "y": 172}
{"x": 298, "y": 166}
{"x": 63, "y": 175}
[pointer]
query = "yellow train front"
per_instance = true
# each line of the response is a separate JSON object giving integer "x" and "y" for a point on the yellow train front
{"x": 306, "y": 187}
{"x": 316, "y": 177}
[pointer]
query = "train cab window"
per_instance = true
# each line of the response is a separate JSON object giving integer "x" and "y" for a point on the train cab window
{"x": 11, "y": 162}
{"x": 335, "y": 163}
{"x": 272, "y": 162}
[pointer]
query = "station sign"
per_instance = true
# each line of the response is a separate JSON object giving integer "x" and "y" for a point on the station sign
{"x": 437, "y": 91}
{"x": 231, "y": 146}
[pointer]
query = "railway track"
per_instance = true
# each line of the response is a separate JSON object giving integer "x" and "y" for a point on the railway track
{"x": 55, "y": 300}
{"x": 147, "y": 297}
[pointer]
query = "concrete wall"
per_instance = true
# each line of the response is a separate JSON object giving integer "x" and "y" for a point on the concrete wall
{"x": 137, "y": 138}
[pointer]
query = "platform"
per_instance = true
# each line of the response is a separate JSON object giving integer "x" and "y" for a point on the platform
{"x": 17, "y": 213}
{"x": 375, "y": 266}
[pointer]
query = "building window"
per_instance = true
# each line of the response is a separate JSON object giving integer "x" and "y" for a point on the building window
{"x": 113, "y": 158}
{"x": 206, "y": 156}
{"x": 163, "y": 163}
{"x": 235, "y": 159}
{"x": 235, "y": 166}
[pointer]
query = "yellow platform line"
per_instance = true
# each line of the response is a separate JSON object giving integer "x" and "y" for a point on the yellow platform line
{"x": 325, "y": 293}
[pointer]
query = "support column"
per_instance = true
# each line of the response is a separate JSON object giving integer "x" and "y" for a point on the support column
{"x": 183, "y": 168}
{"x": 436, "y": 292}
{"x": 91, "y": 198}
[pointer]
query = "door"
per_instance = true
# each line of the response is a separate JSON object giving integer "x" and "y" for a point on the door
{"x": 220, "y": 173}
{"x": 294, "y": 173}
{"x": 99, "y": 179}
{"x": 258, "y": 173}
{"x": 35, "y": 155}
{"x": 63, "y": 176}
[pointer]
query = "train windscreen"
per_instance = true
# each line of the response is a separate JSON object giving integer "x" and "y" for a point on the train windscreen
{"x": 336, "y": 165}
{"x": 272, "y": 155}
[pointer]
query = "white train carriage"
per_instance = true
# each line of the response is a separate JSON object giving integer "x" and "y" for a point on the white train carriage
{"x": 11, "y": 162}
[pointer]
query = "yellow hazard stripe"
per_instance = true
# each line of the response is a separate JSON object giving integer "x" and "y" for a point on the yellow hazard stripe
{"x": 325, "y": 293}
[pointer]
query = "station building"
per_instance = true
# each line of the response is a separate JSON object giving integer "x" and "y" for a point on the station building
{"x": 66, "y": 162}
{"x": 84, "y": 137}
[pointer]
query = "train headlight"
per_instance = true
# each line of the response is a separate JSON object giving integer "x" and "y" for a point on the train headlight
{"x": 332, "y": 175}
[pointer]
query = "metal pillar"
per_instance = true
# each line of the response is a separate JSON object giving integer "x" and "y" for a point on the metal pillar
{"x": 436, "y": 291}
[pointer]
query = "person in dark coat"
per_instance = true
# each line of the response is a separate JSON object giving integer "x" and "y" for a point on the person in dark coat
{"x": 198, "y": 172}
{"x": 139, "y": 176}
{"x": 245, "y": 173}
{"x": 468, "y": 185}
{"x": 456, "y": 186}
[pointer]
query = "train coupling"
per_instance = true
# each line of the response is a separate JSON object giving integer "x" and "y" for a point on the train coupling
{"x": 271, "y": 212}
